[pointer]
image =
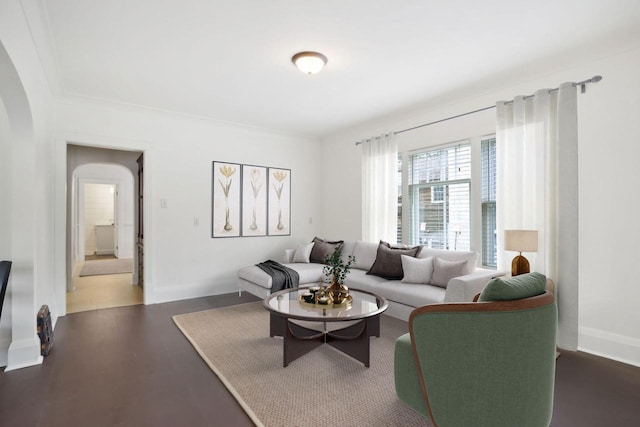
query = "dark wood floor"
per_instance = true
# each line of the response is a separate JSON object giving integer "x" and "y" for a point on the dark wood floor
{"x": 130, "y": 366}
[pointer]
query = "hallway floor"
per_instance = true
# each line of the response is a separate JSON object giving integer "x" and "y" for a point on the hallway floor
{"x": 106, "y": 291}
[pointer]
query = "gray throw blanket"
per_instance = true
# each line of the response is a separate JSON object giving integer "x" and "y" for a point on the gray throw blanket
{"x": 281, "y": 277}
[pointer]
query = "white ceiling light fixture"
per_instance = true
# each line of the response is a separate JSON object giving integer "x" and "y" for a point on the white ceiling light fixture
{"x": 309, "y": 62}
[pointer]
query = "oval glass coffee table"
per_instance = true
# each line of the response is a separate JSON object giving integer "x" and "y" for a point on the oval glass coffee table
{"x": 347, "y": 328}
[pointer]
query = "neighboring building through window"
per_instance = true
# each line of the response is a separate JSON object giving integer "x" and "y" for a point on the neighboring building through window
{"x": 438, "y": 205}
{"x": 439, "y": 192}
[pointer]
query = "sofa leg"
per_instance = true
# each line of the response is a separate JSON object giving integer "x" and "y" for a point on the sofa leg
{"x": 239, "y": 293}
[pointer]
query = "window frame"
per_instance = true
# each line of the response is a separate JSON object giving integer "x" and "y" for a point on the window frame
{"x": 406, "y": 229}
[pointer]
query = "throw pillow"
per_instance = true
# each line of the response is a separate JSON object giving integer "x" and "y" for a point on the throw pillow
{"x": 388, "y": 263}
{"x": 443, "y": 271}
{"x": 510, "y": 288}
{"x": 288, "y": 256}
{"x": 302, "y": 253}
{"x": 416, "y": 270}
{"x": 323, "y": 248}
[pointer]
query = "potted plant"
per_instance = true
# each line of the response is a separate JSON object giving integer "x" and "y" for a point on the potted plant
{"x": 336, "y": 270}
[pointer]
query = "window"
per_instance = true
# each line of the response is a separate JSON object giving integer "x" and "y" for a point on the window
{"x": 488, "y": 165}
{"x": 439, "y": 192}
{"x": 399, "y": 181}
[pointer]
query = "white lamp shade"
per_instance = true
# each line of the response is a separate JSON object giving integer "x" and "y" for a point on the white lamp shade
{"x": 521, "y": 240}
{"x": 309, "y": 62}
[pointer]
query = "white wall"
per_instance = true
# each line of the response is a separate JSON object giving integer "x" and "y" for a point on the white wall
{"x": 609, "y": 130}
{"x": 181, "y": 258}
{"x": 5, "y": 226}
{"x": 27, "y": 98}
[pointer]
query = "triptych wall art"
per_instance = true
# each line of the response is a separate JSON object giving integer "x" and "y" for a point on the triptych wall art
{"x": 250, "y": 200}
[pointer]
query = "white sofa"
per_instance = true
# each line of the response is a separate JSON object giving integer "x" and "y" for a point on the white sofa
{"x": 402, "y": 297}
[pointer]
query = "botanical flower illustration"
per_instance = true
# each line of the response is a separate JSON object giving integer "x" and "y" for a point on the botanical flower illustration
{"x": 256, "y": 185}
{"x": 280, "y": 176}
{"x": 227, "y": 171}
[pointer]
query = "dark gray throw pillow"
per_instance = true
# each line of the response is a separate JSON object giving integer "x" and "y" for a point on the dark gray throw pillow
{"x": 388, "y": 263}
{"x": 322, "y": 248}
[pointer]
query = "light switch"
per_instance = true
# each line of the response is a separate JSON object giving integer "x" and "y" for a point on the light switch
{"x": 163, "y": 203}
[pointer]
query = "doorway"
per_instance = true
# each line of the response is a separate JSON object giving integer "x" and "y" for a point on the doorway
{"x": 103, "y": 263}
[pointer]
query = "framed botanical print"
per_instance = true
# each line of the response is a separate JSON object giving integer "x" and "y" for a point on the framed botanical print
{"x": 226, "y": 198}
{"x": 254, "y": 200}
{"x": 279, "y": 211}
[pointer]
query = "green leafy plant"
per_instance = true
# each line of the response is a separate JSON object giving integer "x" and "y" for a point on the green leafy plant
{"x": 336, "y": 268}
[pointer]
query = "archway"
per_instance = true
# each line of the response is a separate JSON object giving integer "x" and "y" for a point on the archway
{"x": 18, "y": 315}
{"x": 103, "y": 229}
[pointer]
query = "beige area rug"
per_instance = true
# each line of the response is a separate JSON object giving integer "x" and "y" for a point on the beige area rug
{"x": 324, "y": 387}
{"x": 107, "y": 266}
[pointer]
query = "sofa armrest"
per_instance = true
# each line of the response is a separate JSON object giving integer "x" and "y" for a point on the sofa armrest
{"x": 464, "y": 288}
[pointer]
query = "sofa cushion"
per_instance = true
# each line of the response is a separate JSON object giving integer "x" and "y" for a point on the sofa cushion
{"x": 511, "y": 288}
{"x": 416, "y": 270}
{"x": 323, "y": 248}
{"x": 360, "y": 280}
{"x": 254, "y": 274}
{"x": 410, "y": 294}
{"x": 365, "y": 254}
{"x": 444, "y": 270}
{"x": 470, "y": 256}
{"x": 303, "y": 252}
{"x": 388, "y": 263}
{"x": 309, "y": 273}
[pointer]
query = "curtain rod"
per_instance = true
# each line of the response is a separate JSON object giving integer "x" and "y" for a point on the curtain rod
{"x": 582, "y": 84}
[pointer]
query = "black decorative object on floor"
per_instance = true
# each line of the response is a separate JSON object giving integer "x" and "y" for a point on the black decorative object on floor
{"x": 5, "y": 269}
{"x": 45, "y": 330}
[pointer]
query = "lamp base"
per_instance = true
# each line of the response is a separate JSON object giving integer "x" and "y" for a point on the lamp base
{"x": 519, "y": 265}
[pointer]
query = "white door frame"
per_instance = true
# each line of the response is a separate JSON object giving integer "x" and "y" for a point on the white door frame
{"x": 62, "y": 248}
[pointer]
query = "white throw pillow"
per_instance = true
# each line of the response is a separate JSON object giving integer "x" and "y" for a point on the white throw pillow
{"x": 288, "y": 256}
{"x": 416, "y": 270}
{"x": 303, "y": 252}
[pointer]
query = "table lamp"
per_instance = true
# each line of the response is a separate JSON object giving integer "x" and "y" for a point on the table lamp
{"x": 520, "y": 241}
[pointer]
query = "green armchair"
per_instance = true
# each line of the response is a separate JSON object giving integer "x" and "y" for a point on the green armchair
{"x": 487, "y": 363}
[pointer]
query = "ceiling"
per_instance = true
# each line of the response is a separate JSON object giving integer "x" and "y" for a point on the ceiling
{"x": 231, "y": 60}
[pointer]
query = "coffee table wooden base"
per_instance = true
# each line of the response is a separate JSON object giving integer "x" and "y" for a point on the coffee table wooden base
{"x": 297, "y": 340}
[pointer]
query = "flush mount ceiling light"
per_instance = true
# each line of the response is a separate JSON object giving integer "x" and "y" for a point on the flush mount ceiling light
{"x": 309, "y": 62}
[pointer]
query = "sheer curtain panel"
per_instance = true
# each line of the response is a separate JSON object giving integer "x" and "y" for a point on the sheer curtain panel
{"x": 379, "y": 188}
{"x": 537, "y": 189}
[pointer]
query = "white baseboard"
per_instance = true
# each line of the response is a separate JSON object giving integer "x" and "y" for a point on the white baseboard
{"x": 104, "y": 252}
{"x": 23, "y": 353}
{"x": 612, "y": 346}
{"x": 5, "y": 342}
{"x": 188, "y": 291}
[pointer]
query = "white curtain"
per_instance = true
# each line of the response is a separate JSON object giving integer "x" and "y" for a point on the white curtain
{"x": 537, "y": 189}
{"x": 379, "y": 188}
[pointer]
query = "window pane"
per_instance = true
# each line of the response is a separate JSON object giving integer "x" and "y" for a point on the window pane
{"x": 489, "y": 241}
{"x": 440, "y": 198}
{"x": 399, "y": 181}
